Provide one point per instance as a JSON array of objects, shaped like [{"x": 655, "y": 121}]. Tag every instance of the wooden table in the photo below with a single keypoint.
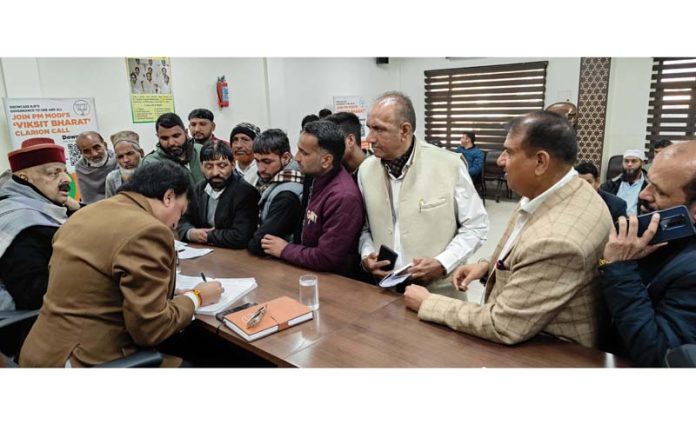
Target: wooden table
[{"x": 361, "y": 325}]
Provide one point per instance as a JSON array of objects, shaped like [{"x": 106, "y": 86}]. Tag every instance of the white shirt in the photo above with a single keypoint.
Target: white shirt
[
  {"x": 471, "y": 216},
  {"x": 528, "y": 207},
  {"x": 250, "y": 173}
]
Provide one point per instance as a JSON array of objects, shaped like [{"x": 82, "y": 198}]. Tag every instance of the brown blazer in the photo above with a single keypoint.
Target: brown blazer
[
  {"x": 549, "y": 282},
  {"x": 110, "y": 287}
]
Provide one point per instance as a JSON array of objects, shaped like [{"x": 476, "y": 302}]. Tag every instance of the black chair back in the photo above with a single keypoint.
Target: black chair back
[{"x": 614, "y": 167}]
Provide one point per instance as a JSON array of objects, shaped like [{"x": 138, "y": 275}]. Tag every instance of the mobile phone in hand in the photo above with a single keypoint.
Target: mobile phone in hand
[
  {"x": 386, "y": 253},
  {"x": 675, "y": 223},
  {"x": 221, "y": 315}
]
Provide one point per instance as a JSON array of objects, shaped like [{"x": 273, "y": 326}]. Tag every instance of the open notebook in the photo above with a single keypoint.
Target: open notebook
[{"x": 235, "y": 289}]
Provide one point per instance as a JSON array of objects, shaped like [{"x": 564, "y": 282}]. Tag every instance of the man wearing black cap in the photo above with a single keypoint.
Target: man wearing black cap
[
  {"x": 242, "y": 139},
  {"x": 33, "y": 204}
]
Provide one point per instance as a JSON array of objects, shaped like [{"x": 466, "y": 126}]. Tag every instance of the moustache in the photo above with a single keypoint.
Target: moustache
[
  {"x": 64, "y": 187},
  {"x": 216, "y": 182}
]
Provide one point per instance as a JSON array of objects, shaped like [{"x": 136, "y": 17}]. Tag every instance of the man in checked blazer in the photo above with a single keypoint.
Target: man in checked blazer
[{"x": 543, "y": 274}]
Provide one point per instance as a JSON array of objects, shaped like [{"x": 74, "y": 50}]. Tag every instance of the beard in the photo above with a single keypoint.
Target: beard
[
  {"x": 217, "y": 183},
  {"x": 98, "y": 163},
  {"x": 627, "y": 175},
  {"x": 127, "y": 173},
  {"x": 177, "y": 151}
]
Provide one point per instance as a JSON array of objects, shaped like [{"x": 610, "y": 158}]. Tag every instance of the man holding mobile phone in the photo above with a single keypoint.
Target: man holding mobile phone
[{"x": 650, "y": 290}]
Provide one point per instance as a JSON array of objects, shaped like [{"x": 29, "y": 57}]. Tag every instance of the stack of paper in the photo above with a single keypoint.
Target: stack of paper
[{"x": 235, "y": 289}]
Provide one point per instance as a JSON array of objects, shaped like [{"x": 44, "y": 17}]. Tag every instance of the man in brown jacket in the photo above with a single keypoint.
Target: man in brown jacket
[
  {"x": 112, "y": 277},
  {"x": 543, "y": 273}
]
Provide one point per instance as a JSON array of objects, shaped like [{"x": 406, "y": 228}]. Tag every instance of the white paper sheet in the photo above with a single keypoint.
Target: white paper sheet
[{"x": 235, "y": 289}]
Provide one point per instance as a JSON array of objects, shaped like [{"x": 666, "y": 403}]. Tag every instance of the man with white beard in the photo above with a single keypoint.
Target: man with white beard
[
  {"x": 128, "y": 155},
  {"x": 94, "y": 165}
]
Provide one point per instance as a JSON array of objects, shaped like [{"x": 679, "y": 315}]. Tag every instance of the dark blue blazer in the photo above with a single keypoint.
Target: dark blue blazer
[
  {"x": 616, "y": 205},
  {"x": 652, "y": 301}
]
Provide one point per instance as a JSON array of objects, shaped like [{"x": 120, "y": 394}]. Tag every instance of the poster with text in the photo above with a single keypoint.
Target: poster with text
[
  {"x": 60, "y": 119},
  {"x": 150, "y": 88},
  {"x": 356, "y": 105}
]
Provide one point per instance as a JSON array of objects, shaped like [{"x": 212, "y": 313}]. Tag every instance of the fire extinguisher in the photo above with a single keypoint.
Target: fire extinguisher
[{"x": 222, "y": 93}]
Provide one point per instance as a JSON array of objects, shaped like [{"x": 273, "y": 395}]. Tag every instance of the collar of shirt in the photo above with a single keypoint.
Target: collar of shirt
[
  {"x": 212, "y": 193},
  {"x": 396, "y": 166},
  {"x": 248, "y": 167},
  {"x": 530, "y": 206}
]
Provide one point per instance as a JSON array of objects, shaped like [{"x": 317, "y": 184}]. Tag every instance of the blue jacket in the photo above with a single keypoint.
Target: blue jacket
[
  {"x": 652, "y": 301},
  {"x": 474, "y": 157}
]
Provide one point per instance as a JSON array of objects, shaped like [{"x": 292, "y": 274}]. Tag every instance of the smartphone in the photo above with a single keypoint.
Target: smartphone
[
  {"x": 221, "y": 315},
  {"x": 675, "y": 223},
  {"x": 386, "y": 253}
]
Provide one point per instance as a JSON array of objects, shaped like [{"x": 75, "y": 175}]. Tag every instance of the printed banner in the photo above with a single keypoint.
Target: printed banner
[
  {"x": 150, "y": 88},
  {"x": 59, "y": 119},
  {"x": 356, "y": 105}
]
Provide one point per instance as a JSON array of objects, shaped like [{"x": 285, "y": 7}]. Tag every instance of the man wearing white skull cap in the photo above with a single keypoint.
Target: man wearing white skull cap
[{"x": 631, "y": 181}]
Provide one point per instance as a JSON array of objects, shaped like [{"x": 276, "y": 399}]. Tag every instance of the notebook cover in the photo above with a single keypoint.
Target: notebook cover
[{"x": 279, "y": 312}]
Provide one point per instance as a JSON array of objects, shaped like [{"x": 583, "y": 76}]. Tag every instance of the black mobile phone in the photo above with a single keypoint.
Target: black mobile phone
[
  {"x": 675, "y": 223},
  {"x": 221, "y": 315},
  {"x": 386, "y": 253}
]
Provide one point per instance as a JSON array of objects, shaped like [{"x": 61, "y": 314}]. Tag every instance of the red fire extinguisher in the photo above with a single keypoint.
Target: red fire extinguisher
[{"x": 222, "y": 92}]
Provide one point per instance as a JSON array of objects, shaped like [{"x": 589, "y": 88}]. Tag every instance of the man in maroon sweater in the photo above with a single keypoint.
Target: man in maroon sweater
[{"x": 334, "y": 216}]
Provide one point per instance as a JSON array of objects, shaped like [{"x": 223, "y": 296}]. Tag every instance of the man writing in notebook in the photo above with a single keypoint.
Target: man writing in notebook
[
  {"x": 543, "y": 274},
  {"x": 110, "y": 291}
]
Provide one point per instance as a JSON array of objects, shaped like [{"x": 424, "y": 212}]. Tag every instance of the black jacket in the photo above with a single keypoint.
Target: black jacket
[
  {"x": 616, "y": 205},
  {"x": 612, "y": 186},
  {"x": 284, "y": 218},
  {"x": 24, "y": 266},
  {"x": 652, "y": 301},
  {"x": 236, "y": 216}
]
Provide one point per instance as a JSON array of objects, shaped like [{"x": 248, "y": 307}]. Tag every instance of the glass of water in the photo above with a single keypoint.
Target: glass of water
[{"x": 309, "y": 291}]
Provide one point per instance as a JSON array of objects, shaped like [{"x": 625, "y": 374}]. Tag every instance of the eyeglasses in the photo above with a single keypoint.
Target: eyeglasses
[{"x": 255, "y": 319}]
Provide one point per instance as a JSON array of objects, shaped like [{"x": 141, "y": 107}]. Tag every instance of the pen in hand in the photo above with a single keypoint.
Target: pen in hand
[{"x": 203, "y": 276}]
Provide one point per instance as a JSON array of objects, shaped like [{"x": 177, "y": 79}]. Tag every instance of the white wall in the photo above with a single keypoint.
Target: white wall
[
  {"x": 105, "y": 79},
  {"x": 627, "y": 106},
  {"x": 562, "y": 78},
  {"x": 302, "y": 86},
  {"x": 278, "y": 92}
]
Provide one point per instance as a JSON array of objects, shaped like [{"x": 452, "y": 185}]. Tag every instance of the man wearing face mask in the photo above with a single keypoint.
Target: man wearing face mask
[
  {"x": 174, "y": 146},
  {"x": 242, "y": 140},
  {"x": 94, "y": 165},
  {"x": 129, "y": 155},
  {"x": 280, "y": 184},
  {"x": 223, "y": 210},
  {"x": 34, "y": 203}
]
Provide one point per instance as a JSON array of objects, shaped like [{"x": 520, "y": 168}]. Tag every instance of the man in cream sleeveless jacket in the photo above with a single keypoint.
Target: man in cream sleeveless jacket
[
  {"x": 420, "y": 200},
  {"x": 543, "y": 273}
]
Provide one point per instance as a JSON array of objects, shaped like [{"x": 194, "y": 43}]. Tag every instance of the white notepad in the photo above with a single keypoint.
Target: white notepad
[{"x": 235, "y": 289}]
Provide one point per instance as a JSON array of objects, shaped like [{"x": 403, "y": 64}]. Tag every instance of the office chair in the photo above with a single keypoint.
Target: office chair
[
  {"x": 492, "y": 172},
  {"x": 23, "y": 319},
  {"x": 614, "y": 167},
  {"x": 682, "y": 356}
]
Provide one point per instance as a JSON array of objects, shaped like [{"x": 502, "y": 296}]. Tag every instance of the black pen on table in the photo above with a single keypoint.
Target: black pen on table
[{"x": 203, "y": 276}]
